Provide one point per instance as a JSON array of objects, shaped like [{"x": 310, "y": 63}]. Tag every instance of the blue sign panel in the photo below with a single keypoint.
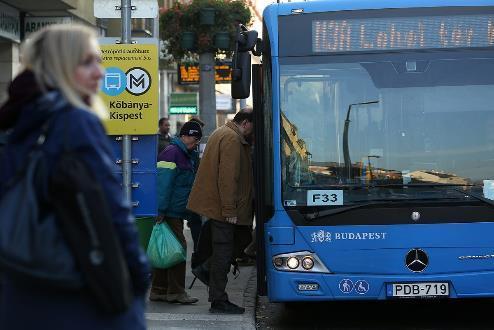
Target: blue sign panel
[{"x": 143, "y": 182}]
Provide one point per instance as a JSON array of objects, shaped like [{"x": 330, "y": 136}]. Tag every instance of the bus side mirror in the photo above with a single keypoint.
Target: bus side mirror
[
  {"x": 241, "y": 76},
  {"x": 246, "y": 40},
  {"x": 241, "y": 70}
]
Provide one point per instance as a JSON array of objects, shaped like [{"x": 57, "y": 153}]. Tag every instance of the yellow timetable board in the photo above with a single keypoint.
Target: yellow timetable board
[{"x": 130, "y": 88}]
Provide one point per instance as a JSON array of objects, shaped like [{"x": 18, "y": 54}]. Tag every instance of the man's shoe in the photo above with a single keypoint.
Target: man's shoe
[
  {"x": 181, "y": 298},
  {"x": 157, "y": 296},
  {"x": 225, "y": 307},
  {"x": 245, "y": 261}
]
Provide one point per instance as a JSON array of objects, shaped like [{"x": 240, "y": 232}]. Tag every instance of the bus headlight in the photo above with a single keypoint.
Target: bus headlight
[
  {"x": 307, "y": 263},
  {"x": 292, "y": 263},
  {"x": 303, "y": 261}
]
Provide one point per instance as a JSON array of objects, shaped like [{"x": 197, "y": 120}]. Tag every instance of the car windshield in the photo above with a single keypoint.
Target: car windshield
[{"x": 367, "y": 127}]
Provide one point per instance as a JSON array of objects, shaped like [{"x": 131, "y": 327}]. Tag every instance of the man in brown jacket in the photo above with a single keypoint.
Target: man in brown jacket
[{"x": 222, "y": 192}]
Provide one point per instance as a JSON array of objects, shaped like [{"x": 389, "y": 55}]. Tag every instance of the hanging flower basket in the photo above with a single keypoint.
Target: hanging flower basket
[
  {"x": 222, "y": 40},
  {"x": 212, "y": 22},
  {"x": 187, "y": 40},
  {"x": 206, "y": 16}
]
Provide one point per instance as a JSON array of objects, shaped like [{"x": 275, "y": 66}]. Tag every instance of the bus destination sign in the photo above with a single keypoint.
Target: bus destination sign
[{"x": 394, "y": 33}]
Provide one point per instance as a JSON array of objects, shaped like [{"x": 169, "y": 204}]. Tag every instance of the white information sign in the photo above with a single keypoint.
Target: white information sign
[
  {"x": 324, "y": 197},
  {"x": 223, "y": 102},
  {"x": 111, "y": 8}
]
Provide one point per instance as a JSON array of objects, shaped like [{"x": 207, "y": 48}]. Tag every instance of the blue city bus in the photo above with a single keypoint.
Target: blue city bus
[{"x": 374, "y": 148}]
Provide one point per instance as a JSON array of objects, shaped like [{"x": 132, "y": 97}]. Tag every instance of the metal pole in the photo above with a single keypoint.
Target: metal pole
[
  {"x": 156, "y": 28},
  {"x": 127, "y": 139},
  {"x": 207, "y": 96},
  {"x": 126, "y": 16}
]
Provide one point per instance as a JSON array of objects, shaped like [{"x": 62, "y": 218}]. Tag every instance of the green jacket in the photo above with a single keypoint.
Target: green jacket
[{"x": 176, "y": 173}]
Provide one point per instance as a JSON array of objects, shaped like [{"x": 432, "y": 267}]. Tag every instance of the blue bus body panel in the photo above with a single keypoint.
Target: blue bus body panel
[
  {"x": 382, "y": 249},
  {"x": 376, "y": 255},
  {"x": 285, "y": 287}
]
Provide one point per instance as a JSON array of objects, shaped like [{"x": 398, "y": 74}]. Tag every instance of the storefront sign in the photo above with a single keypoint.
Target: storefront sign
[
  {"x": 33, "y": 24},
  {"x": 9, "y": 23},
  {"x": 183, "y": 103}
]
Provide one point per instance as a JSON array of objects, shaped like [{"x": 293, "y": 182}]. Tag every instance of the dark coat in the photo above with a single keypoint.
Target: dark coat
[
  {"x": 224, "y": 182},
  {"x": 24, "y": 306}
]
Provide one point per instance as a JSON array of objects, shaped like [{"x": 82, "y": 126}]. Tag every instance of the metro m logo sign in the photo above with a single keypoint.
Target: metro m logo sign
[{"x": 138, "y": 81}]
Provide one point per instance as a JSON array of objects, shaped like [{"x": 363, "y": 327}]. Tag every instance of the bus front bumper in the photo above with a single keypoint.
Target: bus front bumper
[{"x": 296, "y": 286}]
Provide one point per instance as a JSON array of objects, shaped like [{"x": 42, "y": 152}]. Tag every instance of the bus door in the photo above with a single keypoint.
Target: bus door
[{"x": 261, "y": 214}]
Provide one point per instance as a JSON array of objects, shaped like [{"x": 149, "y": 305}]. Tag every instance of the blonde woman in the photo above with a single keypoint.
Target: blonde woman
[{"x": 60, "y": 80}]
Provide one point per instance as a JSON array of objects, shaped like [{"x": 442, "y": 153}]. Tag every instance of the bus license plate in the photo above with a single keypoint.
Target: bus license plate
[{"x": 411, "y": 290}]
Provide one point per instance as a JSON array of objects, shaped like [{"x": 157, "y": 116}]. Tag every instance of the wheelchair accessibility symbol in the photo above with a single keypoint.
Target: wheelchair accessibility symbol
[
  {"x": 361, "y": 287},
  {"x": 346, "y": 285}
]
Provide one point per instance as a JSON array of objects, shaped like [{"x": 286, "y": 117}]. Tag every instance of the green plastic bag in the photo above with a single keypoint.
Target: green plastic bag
[{"x": 164, "y": 249}]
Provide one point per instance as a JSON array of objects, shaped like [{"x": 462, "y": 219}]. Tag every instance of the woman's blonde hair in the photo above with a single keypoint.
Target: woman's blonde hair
[{"x": 53, "y": 54}]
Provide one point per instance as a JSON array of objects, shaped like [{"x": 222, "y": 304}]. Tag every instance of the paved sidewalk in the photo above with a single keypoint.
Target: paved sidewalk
[{"x": 241, "y": 291}]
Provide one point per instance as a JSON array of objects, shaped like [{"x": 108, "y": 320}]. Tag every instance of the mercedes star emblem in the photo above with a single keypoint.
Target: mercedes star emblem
[{"x": 416, "y": 260}]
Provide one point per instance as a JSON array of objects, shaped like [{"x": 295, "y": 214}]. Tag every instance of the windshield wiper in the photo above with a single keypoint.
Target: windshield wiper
[
  {"x": 331, "y": 186},
  {"x": 324, "y": 213},
  {"x": 383, "y": 185},
  {"x": 388, "y": 201},
  {"x": 330, "y": 212},
  {"x": 425, "y": 184}
]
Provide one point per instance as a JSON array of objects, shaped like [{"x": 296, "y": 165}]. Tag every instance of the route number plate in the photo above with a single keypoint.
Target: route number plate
[{"x": 324, "y": 197}]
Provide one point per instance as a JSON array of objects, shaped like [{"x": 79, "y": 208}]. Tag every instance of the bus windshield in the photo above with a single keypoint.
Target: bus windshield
[{"x": 351, "y": 122}]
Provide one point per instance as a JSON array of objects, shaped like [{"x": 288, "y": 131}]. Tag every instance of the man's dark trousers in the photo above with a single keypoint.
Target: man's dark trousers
[
  {"x": 222, "y": 238},
  {"x": 194, "y": 222}
]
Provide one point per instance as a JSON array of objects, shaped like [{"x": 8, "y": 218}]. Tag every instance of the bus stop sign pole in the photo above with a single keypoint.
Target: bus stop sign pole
[{"x": 126, "y": 11}]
